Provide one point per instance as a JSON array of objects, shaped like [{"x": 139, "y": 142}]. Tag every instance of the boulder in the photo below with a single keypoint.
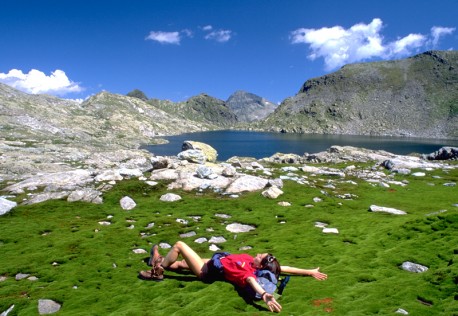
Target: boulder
[
  {"x": 164, "y": 174},
  {"x": 46, "y": 307},
  {"x": 6, "y": 205},
  {"x": 272, "y": 193},
  {"x": 209, "y": 152},
  {"x": 239, "y": 228},
  {"x": 170, "y": 197},
  {"x": 375, "y": 208},
  {"x": 204, "y": 172},
  {"x": 247, "y": 183},
  {"x": 413, "y": 267},
  {"x": 86, "y": 195},
  {"x": 192, "y": 155},
  {"x": 127, "y": 203},
  {"x": 445, "y": 153}
]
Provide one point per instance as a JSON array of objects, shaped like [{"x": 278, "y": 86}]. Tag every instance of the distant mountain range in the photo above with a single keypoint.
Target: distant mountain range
[{"x": 417, "y": 96}]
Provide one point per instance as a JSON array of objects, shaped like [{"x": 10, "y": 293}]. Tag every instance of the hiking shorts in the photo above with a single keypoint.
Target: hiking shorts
[{"x": 213, "y": 269}]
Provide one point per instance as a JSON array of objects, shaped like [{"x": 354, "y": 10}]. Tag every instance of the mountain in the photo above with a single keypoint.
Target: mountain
[
  {"x": 417, "y": 96},
  {"x": 249, "y": 107}
]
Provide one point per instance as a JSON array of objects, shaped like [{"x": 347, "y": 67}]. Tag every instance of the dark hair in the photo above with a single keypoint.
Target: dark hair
[{"x": 271, "y": 263}]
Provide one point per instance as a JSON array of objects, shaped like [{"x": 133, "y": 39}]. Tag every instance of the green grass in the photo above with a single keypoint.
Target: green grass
[{"x": 97, "y": 270}]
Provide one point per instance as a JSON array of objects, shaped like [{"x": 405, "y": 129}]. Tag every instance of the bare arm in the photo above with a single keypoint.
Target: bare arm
[
  {"x": 269, "y": 299},
  {"x": 306, "y": 272}
]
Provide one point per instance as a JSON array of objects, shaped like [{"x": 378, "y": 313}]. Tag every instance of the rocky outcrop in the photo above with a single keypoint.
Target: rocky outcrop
[{"x": 249, "y": 107}]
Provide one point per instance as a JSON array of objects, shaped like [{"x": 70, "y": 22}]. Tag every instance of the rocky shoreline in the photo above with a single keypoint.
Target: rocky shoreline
[{"x": 80, "y": 175}]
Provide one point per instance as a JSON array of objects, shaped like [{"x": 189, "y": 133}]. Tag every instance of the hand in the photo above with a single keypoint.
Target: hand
[
  {"x": 273, "y": 305},
  {"x": 318, "y": 275}
]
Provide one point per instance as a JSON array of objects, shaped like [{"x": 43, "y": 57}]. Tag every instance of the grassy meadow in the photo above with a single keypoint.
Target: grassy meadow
[{"x": 91, "y": 269}]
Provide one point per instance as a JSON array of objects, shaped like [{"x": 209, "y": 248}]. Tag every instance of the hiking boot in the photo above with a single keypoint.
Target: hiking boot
[{"x": 151, "y": 275}]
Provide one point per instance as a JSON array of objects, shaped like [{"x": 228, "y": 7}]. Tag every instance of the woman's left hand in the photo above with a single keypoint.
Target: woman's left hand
[
  {"x": 318, "y": 275},
  {"x": 272, "y": 303}
]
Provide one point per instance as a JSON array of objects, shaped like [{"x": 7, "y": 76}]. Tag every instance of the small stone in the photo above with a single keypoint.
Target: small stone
[
  {"x": 330, "y": 230},
  {"x": 21, "y": 276},
  {"x": 320, "y": 224},
  {"x": 217, "y": 240},
  {"x": 105, "y": 223},
  {"x": 413, "y": 267},
  {"x": 375, "y": 208},
  {"x": 32, "y": 278},
  {"x": 450, "y": 184},
  {"x": 225, "y": 216},
  {"x": 402, "y": 311},
  {"x": 127, "y": 203},
  {"x": 200, "y": 240},
  {"x": 284, "y": 203},
  {"x": 239, "y": 228},
  {"x": 182, "y": 221},
  {"x": 187, "y": 235},
  {"x": 317, "y": 199},
  {"x": 213, "y": 248},
  {"x": 170, "y": 197},
  {"x": 418, "y": 174},
  {"x": 139, "y": 251}
]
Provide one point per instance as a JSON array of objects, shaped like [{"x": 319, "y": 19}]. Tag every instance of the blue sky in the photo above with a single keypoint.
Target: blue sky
[{"x": 177, "y": 49}]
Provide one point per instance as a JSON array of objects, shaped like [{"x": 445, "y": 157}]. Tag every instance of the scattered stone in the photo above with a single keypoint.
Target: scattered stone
[
  {"x": 21, "y": 276},
  {"x": 108, "y": 175},
  {"x": 187, "y": 235},
  {"x": 149, "y": 226},
  {"x": 413, "y": 267},
  {"x": 55, "y": 264},
  {"x": 309, "y": 206},
  {"x": 182, "y": 221},
  {"x": 229, "y": 171},
  {"x": 164, "y": 245},
  {"x": 284, "y": 203},
  {"x": 256, "y": 165},
  {"x": 330, "y": 230},
  {"x": 105, "y": 223},
  {"x": 5, "y": 313},
  {"x": 170, "y": 197},
  {"x": 225, "y": 216},
  {"x": 275, "y": 183},
  {"x": 450, "y": 184},
  {"x": 272, "y": 192},
  {"x": 217, "y": 239},
  {"x": 375, "y": 208},
  {"x": 32, "y": 278},
  {"x": 139, "y": 251},
  {"x": 317, "y": 200},
  {"x": 151, "y": 183},
  {"x": 321, "y": 224},
  {"x": 239, "y": 228},
  {"x": 213, "y": 248},
  {"x": 127, "y": 203},
  {"x": 401, "y": 311},
  {"x": 3, "y": 278},
  {"x": 46, "y": 307},
  {"x": 131, "y": 227},
  {"x": 201, "y": 240},
  {"x": 86, "y": 195},
  {"x": 245, "y": 248},
  {"x": 164, "y": 174},
  {"x": 6, "y": 205},
  {"x": 418, "y": 174}
]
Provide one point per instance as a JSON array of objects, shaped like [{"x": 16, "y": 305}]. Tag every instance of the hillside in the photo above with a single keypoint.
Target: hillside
[{"x": 417, "y": 96}]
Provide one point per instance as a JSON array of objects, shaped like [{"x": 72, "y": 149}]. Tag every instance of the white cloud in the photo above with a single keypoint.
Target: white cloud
[
  {"x": 37, "y": 82},
  {"x": 339, "y": 46},
  {"x": 207, "y": 28},
  {"x": 165, "y": 37},
  {"x": 438, "y": 31},
  {"x": 219, "y": 35}
]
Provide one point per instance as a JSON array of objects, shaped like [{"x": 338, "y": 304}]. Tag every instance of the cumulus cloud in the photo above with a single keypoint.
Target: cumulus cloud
[
  {"x": 339, "y": 46},
  {"x": 37, "y": 82}
]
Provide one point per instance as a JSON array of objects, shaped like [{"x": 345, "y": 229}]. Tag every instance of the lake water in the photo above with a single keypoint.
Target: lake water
[{"x": 231, "y": 143}]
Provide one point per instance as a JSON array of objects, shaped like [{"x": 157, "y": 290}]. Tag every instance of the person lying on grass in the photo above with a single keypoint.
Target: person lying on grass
[{"x": 238, "y": 269}]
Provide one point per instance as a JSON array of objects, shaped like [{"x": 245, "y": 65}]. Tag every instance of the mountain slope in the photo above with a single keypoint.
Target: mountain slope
[
  {"x": 249, "y": 107},
  {"x": 417, "y": 96}
]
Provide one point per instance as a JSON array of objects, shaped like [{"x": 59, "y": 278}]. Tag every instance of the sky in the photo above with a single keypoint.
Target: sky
[{"x": 176, "y": 49}]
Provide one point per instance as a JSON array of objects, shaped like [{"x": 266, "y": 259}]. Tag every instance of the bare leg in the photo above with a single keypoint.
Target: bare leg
[{"x": 192, "y": 260}]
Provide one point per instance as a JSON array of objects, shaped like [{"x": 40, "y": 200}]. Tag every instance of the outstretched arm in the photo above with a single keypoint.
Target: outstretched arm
[
  {"x": 269, "y": 299},
  {"x": 306, "y": 272}
]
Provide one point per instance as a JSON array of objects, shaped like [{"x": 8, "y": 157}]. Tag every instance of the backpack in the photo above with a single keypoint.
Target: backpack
[{"x": 268, "y": 282}]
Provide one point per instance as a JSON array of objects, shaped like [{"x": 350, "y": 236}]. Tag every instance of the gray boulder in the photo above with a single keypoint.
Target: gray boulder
[
  {"x": 46, "y": 307},
  {"x": 413, "y": 267},
  {"x": 272, "y": 192},
  {"x": 192, "y": 155},
  {"x": 247, "y": 183},
  {"x": 170, "y": 197},
  {"x": 375, "y": 208},
  {"x": 204, "y": 172},
  {"x": 445, "y": 153},
  {"x": 86, "y": 195},
  {"x": 239, "y": 228},
  {"x": 127, "y": 203},
  {"x": 208, "y": 151},
  {"x": 6, "y": 205}
]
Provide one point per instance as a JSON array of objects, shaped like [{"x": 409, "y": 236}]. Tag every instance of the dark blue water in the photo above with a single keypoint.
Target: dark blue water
[{"x": 262, "y": 144}]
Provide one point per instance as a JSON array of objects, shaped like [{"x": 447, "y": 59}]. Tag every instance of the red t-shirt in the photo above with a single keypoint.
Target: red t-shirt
[{"x": 237, "y": 268}]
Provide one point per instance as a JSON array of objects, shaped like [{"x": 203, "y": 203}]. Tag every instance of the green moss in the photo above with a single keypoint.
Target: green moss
[{"x": 92, "y": 269}]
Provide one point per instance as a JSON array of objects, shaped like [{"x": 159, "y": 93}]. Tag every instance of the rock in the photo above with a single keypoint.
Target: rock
[
  {"x": 139, "y": 251},
  {"x": 203, "y": 172},
  {"x": 413, "y": 267},
  {"x": 317, "y": 200},
  {"x": 164, "y": 174},
  {"x": 285, "y": 158},
  {"x": 217, "y": 240},
  {"x": 401, "y": 311},
  {"x": 418, "y": 174},
  {"x": 21, "y": 276},
  {"x": 272, "y": 193},
  {"x": 209, "y": 152},
  {"x": 192, "y": 155},
  {"x": 239, "y": 228},
  {"x": 200, "y": 240},
  {"x": 284, "y": 203},
  {"x": 109, "y": 175},
  {"x": 213, "y": 248},
  {"x": 256, "y": 165},
  {"x": 46, "y": 307},
  {"x": 105, "y": 223},
  {"x": 151, "y": 183},
  {"x": 127, "y": 203},
  {"x": 276, "y": 182},
  {"x": 375, "y": 208},
  {"x": 229, "y": 171},
  {"x": 224, "y": 216},
  {"x": 128, "y": 172},
  {"x": 38, "y": 198},
  {"x": 160, "y": 162},
  {"x": 86, "y": 195},
  {"x": 187, "y": 235},
  {"x": 6, "y": 205},
  {"x": 170, "y": 197},
  {"x": 247, "y": 183},
  {"x": 330, "y": 230},
  {"x": 5, "y": 313},
  {"x": 445, "y": 153}
]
